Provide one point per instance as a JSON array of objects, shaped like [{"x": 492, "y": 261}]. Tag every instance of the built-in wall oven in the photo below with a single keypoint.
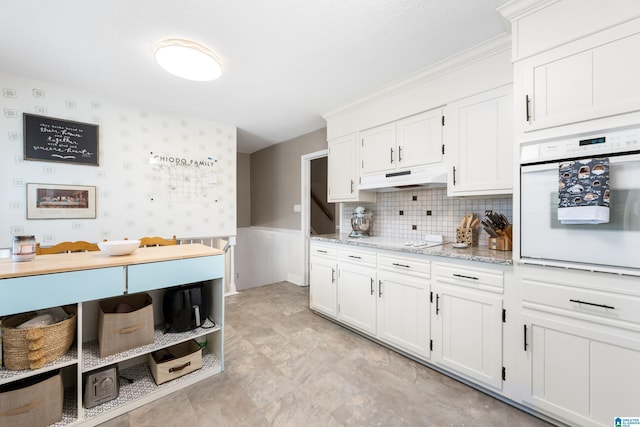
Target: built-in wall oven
[{"x": 554, "y": 172}]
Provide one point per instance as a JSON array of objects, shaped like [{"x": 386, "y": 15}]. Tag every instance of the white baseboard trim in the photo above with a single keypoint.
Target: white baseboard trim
[{"x": 296, "y": 279}]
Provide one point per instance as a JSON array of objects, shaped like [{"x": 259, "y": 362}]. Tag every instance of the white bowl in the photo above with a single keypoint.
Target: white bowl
[{"x": 119, "y": 247}]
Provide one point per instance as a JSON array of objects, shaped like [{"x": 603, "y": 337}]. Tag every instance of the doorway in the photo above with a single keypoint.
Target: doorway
[
  {"x": 306, "y": 183},
  {"x": 322, "y": 214}
]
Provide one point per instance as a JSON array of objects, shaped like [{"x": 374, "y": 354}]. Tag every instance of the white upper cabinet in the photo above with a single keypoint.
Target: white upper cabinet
[
  {"x": 342, "y": 172},
  {"x": 401, "y": 145},
  {"x": 479, "y": 144},
  {"x": 420, "y": 139},
  {"x": 573, "y": 83},
  {"x": 378, "y": 150},
  {"x": 575, "y": 67}
]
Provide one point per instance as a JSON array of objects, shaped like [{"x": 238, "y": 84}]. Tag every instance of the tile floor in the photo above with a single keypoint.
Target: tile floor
[{"x": 286, "y": 366}]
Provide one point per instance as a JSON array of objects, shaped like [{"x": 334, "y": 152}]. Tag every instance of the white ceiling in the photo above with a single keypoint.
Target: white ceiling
[{"x": 285, "y": 61}]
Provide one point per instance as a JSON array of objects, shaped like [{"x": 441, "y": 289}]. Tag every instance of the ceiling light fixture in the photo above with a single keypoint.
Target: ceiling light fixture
[{"x": 188, "y": 59}]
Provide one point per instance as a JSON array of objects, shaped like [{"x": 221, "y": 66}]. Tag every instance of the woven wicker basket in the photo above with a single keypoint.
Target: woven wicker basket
[{"x": 34, "y": 347}]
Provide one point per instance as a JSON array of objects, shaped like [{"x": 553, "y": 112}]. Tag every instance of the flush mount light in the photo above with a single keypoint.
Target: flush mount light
[{"x": 188, "y": 59}]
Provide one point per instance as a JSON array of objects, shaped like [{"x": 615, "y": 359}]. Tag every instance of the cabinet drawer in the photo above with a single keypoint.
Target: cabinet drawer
[
  {"x": 472, "y": 277},
  {"x": 157, "y": 275},
  {"x": 597, "y": 305},
  {"x": 355, "y": 256},
  {"x": 50, "y": 290},
  {"x": 405, "y": 265},
  {"x": 323, "y": 250}
]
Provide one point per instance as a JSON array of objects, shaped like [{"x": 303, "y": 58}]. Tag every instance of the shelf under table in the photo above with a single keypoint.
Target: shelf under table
[
  {"x": 143, "y": 383},
  {"x": 91, "y": 350}
]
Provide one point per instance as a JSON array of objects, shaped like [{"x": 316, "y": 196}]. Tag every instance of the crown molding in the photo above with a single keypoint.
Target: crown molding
[{"x": 476, "y": 53}]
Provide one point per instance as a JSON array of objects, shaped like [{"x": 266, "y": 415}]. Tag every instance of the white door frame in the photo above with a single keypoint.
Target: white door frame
[{"x": 305, "y": 209}]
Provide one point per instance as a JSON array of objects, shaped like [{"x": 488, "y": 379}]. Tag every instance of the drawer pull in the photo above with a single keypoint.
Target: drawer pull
[
  {"x": 321, "y": 251},
  {"x": 462, "y": 276},
  {"x": 592, "y": 303},
  {"x": 401, "y": 265},
  {"x": 355, "y": 257}
]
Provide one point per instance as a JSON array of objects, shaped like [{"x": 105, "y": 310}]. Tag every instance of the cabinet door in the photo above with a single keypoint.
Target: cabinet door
[
  {"x": 479, "y": 140},
  {"x": 341, "y": 169},
  {"x": 357, "y": 297},
  {"x": 403, "y": 313},
  {"x": 468, "y": 325},
  {"x": 579, "y": 82},
  {"x": 378, "y": 151},
  {"x": 583, "y": 374},
  {"x": 420, "y": 139},
  {"x": 322, "y": 286}
]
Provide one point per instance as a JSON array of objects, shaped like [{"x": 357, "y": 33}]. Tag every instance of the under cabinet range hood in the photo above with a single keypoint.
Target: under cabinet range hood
[{"x": 426, "y": 176}]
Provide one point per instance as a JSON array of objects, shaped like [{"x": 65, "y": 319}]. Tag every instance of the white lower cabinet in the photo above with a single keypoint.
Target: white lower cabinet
[
  {"x": 357, "y": 290},
  {"x": 403, "y": 304},
  {"x": 467, "y": 322},
  {"x": 581, "y": 346},
  {"x": 585, "y": 375},
  {"x": 323, "y": 275}
]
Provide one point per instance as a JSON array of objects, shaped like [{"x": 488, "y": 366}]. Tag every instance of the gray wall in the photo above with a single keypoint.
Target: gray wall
[
  {"x": 275, "y": 180},
  {"x": 243, "y": 195}
]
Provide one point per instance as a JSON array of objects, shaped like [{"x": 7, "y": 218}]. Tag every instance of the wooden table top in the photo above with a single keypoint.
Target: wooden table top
[{"x": 58, "y": 263}]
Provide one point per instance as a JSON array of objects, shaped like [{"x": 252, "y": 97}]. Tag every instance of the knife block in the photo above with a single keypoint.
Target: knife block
[
  {"x": 468, "y": 235},
  {"x": 500, "y": 243}
]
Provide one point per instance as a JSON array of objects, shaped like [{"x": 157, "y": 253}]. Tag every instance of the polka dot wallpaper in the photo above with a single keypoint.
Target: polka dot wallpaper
[{"x": 157, "y": 175}]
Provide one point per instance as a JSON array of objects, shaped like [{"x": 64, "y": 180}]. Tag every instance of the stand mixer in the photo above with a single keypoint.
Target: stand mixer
[{"x": 360, "y": 222}]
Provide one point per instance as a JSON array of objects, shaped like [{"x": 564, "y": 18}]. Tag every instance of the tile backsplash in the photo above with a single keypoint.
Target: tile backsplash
[{"x": 412, "y": 214}]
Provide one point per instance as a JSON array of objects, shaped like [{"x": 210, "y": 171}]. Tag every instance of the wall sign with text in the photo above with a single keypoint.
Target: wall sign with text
[{"x": 56, "y": 140}]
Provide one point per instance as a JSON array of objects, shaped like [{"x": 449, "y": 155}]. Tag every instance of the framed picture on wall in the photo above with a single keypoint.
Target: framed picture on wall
[
  {"x": 57, "y": 201},
  {"x": 56, "y": 140}
]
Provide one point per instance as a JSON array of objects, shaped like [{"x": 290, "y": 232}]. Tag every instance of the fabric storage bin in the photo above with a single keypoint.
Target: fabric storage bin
[
  {"x": 175, "y": 361},
  {"x": 32, "y": 348},
  {"x": 33, "y": 402},
  {"x": 125, "y": 322}
]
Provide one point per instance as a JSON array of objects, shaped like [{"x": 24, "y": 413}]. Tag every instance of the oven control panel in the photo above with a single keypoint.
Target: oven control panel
[{"x": 593, "y": 144}]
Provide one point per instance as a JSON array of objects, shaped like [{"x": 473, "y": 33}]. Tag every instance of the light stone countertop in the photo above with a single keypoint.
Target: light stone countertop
[{"x": 477, "y": 253}]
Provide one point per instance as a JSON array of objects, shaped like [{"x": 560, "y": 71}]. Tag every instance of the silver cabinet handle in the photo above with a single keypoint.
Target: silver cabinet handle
[
  {"x": 355, "y": 257},
  {"x": 391, "y": 155},
  {"x": 379, "y": 288},
  {"x": 333, "y": 276},
  {"x": 372, "y": 286},
  {"x": 399, "y": 154},
  {"x": 527, "y": 103},
  {"x": 351, "y": 186}
]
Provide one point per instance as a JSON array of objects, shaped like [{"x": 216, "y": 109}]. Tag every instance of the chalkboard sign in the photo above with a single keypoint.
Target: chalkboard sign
[{"x": 56, "y": 140}]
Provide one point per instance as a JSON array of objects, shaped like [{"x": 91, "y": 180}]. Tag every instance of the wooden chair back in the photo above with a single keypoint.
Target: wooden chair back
[
  {"x": 157, "y": 241},
  {"x": 79, "y": 246}
]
